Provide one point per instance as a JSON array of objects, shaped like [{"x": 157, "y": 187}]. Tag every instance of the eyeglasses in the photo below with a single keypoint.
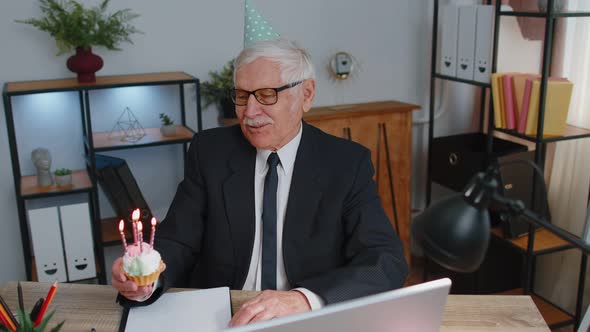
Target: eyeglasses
[{"x": 265, "y": 96}]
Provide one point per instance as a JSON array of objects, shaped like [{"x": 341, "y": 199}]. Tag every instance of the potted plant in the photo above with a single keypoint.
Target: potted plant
[
  {"x": 168, "y": 127},
  {"x": 63, "y": 177},
  {"x": 217, "y": 89},
  {"x": 75, "y": 27},
  {"x": 26, "y": 323}
]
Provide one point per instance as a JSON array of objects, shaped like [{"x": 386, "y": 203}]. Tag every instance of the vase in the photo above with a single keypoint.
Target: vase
[
  {"x": 169, "y": 130},
  {"x": 85, "y": 64},
  {"x": 63, "y": 180}
]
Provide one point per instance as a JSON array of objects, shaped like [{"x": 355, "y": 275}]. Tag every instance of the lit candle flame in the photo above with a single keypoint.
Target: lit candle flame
[
  {"x": 154, "y": 222},
  {"x": 123, "y": 240},
  {"x": 135, "y": 215}
]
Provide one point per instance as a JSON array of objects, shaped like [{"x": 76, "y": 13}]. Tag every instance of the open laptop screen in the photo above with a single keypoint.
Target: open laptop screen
[{"x": 415, "y": 308}]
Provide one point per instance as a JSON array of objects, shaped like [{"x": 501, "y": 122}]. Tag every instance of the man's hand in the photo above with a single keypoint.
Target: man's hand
[
  {"x": 128, "y": 288},
  {"x": 270, "y": 304}
]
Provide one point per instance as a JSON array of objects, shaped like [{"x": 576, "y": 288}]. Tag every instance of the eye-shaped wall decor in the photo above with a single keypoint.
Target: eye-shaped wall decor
[{"x": 341, "y": 65}]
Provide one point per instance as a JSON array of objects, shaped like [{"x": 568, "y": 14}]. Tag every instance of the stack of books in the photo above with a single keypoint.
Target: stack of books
[{"x": 516, "y": 100}]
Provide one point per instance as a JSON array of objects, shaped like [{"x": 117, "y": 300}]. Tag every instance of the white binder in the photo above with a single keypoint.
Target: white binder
[
  {"x": 47, "y": 245},
  {"x": 483, "y": 43},
  {"x": 448, "y": 52},
  {"x": 77, "y": 234},
  {"x": 466, "y": 42}
]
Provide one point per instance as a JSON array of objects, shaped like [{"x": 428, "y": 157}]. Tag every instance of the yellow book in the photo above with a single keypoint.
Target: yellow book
[
  {"x": 497, "y": 100},
  {"x": 557, "y": 103}
]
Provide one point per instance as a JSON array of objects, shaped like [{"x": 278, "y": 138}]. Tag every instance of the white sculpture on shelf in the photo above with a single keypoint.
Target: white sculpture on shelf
[
  {"x": 127, "y": 127},
  {"x": 42, "y": 161}
]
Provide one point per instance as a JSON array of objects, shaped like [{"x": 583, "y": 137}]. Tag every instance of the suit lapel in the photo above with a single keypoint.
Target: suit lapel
[
  {"x": 238, "y": 190},
  {"x": 304, "y": 194}
]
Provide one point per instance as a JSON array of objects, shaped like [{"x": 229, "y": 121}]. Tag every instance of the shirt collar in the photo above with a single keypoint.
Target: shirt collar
[{"x": 286, "y": 154}]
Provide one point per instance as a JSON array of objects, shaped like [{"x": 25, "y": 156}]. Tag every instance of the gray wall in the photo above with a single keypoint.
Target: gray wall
[{"x": 390, "y": 39}]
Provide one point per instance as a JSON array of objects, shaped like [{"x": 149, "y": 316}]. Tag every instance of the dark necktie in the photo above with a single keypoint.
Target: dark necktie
[{"x": 269, "y": 225}]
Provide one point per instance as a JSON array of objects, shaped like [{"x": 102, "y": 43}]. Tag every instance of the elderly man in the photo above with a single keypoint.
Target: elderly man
[{"x": 275, "y": 204}]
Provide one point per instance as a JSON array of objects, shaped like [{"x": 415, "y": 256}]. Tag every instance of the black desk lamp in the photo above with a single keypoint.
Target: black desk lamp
[{"x": 454, "y": 232}]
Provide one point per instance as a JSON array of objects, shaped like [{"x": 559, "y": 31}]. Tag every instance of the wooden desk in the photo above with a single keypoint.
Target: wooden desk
[
  {"x": 93, "y": 306},
  {"x": 385, "y": 128}
]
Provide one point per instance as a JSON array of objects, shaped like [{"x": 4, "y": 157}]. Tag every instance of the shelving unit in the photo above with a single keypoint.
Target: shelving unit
[
  {"x": 539, "y": 242},
  {"x": 85, "y": 180}
]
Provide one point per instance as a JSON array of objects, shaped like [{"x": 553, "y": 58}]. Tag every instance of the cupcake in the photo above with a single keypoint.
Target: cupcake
[{"x": 142, "y": 266}]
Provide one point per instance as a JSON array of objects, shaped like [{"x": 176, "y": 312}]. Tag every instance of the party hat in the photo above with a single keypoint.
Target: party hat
[{"x": 256, "y": 28}]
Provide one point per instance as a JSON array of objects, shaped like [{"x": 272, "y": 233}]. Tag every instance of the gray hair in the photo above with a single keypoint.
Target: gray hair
[{"x": 294, "y": 61}]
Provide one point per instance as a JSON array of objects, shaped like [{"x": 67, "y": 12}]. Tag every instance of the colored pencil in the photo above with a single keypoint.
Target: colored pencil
[
  {"x": 21, "y": 304},
  {"x": 10, "y": 319},
  {"x": 6, "y": 320},
  {"x": 46, "y": 303}
]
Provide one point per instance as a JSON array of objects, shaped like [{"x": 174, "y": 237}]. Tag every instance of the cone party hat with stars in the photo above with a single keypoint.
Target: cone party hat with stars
[{"x": 256, "y": 28}]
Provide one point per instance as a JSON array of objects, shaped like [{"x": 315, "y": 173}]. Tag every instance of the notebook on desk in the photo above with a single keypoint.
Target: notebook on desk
[
  {"x": 179, "y": 311},
  {"x": 414, "y": 308}
]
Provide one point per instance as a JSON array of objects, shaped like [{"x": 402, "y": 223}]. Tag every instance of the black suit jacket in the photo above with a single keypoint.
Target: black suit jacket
[{"x": 337, "y": 240}]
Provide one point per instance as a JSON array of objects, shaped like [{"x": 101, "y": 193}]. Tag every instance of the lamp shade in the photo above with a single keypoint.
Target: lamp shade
[{"x": 453, "y": 233}]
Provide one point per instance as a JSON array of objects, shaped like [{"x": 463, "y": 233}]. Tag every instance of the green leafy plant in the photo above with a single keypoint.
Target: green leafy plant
[
  {"x": 72, "y": 25},
  {"x": 26, "y": 324},
  {"x": 166, "y": 121},
  {"x": 63, "y": 171},
  {"x": 218, "y": 87}
]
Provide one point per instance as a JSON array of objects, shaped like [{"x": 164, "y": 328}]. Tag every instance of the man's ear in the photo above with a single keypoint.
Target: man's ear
[{"x": 308, "y": 94}]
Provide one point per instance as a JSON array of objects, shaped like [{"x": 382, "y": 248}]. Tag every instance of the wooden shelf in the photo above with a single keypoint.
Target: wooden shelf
[
  {"x": 545, "y": 241},
  {"x": 102, "y": 141},
  {"x": 15, "y": 88},
  {"x": 554, "y": 316},
  {"x": 571, "y": 132},
  {"x": 110, "y": 232},
  {"x": 80, "y": 182}
]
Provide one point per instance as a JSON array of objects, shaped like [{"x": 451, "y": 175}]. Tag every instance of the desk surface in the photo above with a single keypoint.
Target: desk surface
[{"x": 93, "y": 306}]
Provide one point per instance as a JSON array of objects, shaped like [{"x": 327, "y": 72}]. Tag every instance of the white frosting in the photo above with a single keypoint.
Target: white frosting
[{"x": 136, "y": 263}]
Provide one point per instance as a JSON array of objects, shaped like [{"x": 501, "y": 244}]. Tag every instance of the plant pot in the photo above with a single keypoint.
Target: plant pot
[
  {"x": 228, "y": 108},
  {"x": 63, "y": 180},
  {"x": 85, "y": 64},
  {"x": 169, "y": 130}
]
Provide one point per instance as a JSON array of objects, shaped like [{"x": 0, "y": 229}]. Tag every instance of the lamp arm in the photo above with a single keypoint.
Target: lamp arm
[{"x": 516, "y": 207}]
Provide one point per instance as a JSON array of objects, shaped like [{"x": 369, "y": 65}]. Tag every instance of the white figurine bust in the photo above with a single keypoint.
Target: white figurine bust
[{"x": 42, "y": 161}]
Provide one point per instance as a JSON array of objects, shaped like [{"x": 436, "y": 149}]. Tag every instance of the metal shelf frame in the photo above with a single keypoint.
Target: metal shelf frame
[
  {"x": 12, "y": 89},
  {"x": 550, "y": 18}
]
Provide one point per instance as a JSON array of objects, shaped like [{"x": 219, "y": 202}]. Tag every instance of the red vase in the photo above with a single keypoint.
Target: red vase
[{"x": 85, "y": 64}]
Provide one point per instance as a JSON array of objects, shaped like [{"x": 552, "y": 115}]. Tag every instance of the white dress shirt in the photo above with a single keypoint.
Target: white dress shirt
[{"x": 287, "y": 156}]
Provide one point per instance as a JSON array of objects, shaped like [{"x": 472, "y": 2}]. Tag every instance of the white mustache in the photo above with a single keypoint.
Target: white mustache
[{"x": 257, "y": 122}]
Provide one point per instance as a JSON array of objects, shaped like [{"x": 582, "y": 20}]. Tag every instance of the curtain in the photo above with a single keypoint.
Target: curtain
[{"x": 557, "y": 274}]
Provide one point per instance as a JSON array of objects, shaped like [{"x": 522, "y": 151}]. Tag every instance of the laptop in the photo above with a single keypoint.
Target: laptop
[{"x": 414, "y": 308}]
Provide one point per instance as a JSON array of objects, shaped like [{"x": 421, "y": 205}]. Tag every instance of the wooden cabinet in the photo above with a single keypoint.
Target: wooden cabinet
[{"x": 386, "y": 129}]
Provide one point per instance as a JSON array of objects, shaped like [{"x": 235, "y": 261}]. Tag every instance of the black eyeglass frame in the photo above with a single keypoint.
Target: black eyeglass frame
[{"x": 276, "y": 90}]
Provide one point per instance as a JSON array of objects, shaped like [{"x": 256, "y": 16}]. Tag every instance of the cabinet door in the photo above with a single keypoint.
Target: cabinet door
[
  {"x": 78, "y": 243},
  {"x": 47, "y": 244},
  {"x": 371, "y": 131}
]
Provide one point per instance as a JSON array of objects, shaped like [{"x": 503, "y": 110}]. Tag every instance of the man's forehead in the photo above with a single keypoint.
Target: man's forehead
[{"x": 260, "y": 73}]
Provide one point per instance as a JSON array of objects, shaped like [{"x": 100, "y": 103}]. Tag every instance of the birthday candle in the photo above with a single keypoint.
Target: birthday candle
[
  {"x": 135, "y": 218},
  {"x": 153, "y": 234},
  {"x": 121, "y": 227},
  {"x": 134, "y": 226},
  {"x": 140, "y": 233}
]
